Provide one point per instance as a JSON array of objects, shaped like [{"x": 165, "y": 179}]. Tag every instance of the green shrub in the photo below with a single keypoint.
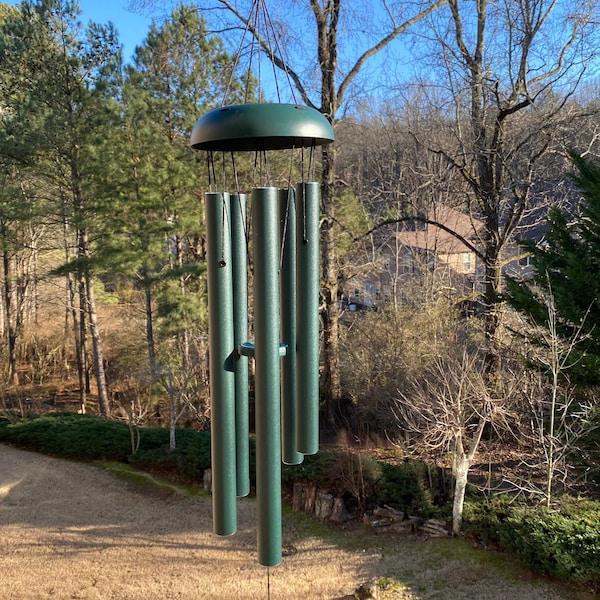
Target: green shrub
[
  {"x": 311, "y": 469},
  {"x": 403, "y": 487},
  {"x": 588, "y": 456},
  {"x": 69, "y": 435},
  {"x": 87, "y": 437},
  {"x": 364, "y": 481},
  {"x": 563, "y": 542},
  {"x": 188, "y": 461}
]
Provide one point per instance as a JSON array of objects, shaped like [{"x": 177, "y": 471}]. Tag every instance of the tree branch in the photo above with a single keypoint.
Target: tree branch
[{"x": 353, "y": 72}]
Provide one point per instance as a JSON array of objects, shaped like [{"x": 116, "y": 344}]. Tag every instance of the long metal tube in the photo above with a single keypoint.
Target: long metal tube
[
  {"x": 221, "y": 349},
  {"x": 240, "y": 321},
  {"x": 265, "y": 229},
  {"x": 308, "y": 195},
  {"x": 287, "y": 278}
]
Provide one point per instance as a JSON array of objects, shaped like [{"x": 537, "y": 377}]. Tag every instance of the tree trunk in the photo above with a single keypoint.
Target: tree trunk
[
  {"x": 150, "y": 329},
  {"x": 330, "y": 312},
  {"x": 327, "y": 23},
  {"x": 35, "y": 293},
  {"x": 13, "y": 376},
  {"x": 462, "y": 464},
  {"x": 84, "y": 374},
  {"x": 76, "y": 314},
  {"x": 103, "y": 404},
  {"x": 78, "y": 320},
  {"x": 172, "y": 427},
  {"x": 493, "y": 282}
]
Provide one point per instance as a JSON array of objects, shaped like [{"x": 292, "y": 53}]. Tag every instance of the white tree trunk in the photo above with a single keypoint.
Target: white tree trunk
[{"x": 460, "y": 487}]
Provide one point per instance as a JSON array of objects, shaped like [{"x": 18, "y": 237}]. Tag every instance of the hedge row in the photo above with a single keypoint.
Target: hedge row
[
  {"x": 563, "y": 541},
  {"x": 363, "y": 481},
  {"x": 86, "y": 437}
]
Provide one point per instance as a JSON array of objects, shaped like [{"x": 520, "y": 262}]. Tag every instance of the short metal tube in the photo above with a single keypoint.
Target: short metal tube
[
  {"x": 287, "y": 283},
  {"x": 265, "y": 235},
  {"x": 239, "y": 254},
  {"x": 221, "y": 349},
  {"x": 308, "y": 200}
]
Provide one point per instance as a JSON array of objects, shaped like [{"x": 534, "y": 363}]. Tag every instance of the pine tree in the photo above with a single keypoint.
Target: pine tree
[
  {"x": 567, "y": 269},
  {"x": 154, "y": 193},
  {"x": 58, "y": 79}
]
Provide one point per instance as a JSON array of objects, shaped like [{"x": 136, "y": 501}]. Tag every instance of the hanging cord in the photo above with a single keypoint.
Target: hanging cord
[
  {"x": 290, "y": 195},
  {"x": 237, "y": 189},
  {"x": 311, "y": 163},
  {"x": 235, "y": 173},
  {"x": 291, "y": 169},
  {"x": 288, "y": 207},
  {"x": 267, "y": 169},
  {"x": 268, "y": 583},
  {"x": 270, "y": 44},
  {"x": 223, "y": 170},
  {"x": 303, "y": 200},
  {"x": 238, "y": 54},
  {"x": 253, "y": 43},
  {"x": 212, "y": 176},
  {"x": 304, "y": 227},
  {"x": 272, "y": 35},
  {"x": 261, "y": 168},
  {"x": 224, "y": 228}
]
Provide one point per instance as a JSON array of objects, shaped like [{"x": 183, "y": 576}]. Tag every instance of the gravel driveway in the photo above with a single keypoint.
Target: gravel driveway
[{"x": 72, "y": 531}]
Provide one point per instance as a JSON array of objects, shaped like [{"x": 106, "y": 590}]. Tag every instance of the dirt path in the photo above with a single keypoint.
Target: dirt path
[{"x": 72, "y": 531}]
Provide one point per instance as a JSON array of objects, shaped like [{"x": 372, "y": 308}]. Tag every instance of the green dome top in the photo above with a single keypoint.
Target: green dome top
[{"x": 257, "y": 127}]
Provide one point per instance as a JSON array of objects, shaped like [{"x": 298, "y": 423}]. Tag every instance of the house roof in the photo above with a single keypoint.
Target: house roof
[{"x": 439, "y": 239}]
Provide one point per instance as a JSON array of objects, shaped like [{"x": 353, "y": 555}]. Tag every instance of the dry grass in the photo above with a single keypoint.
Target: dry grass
[{"x": 70, "y": 530}]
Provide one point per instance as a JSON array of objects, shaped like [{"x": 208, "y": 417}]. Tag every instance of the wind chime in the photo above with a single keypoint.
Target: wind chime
[{"x": 284, "y": 239}]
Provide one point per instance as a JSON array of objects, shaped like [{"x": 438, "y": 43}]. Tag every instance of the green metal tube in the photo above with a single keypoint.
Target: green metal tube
[
  {"x": 287, "y": 279},
  {"x": 308, "y": 200},
  {"x": 222, "y": 377},
  {"x": 240, "y": 321},
  {"x": 265, "y": 236}
]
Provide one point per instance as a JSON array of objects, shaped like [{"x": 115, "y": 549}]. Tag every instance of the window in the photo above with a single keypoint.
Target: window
[
  {"x": 466, "y": 262},
  {"x": 525, "y": 261}
]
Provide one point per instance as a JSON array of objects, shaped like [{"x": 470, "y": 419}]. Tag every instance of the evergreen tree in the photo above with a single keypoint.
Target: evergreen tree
[
  {"x": 58, "y": 78},
  {"x": 155, "y": 187},
  {"x": 566, "y": 268}
]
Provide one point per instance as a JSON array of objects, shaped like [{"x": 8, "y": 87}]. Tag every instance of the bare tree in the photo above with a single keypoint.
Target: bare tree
[
  {"x": 447, "y": 408},
  {"x": 506, "y": 75},
  {"x": 560, "y": 417}
]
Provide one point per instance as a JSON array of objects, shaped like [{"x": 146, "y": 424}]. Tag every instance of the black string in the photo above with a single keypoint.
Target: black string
[
  {"x": 285, "y": 225},
  {"x": 269, "y": 25},
  {"x": 223, "y": 170},
  {"x": 224, "y": 224},
  {"x": 256, "y": 169},
  {"x": 304, "y": 226},
  {"x": 211, "y": 169},
  {"x": 267, "y": 170},
  {"x": 237, "y": 189},
  {"x": 238, "y": 55},
  {"x": 288, "y": 207},
  {"x": 235, "y": 173},
  {"x": 208, "y": 169}
]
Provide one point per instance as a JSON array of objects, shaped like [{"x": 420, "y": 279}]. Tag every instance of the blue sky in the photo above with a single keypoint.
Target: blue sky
[{"x": 132, "y": 27}]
